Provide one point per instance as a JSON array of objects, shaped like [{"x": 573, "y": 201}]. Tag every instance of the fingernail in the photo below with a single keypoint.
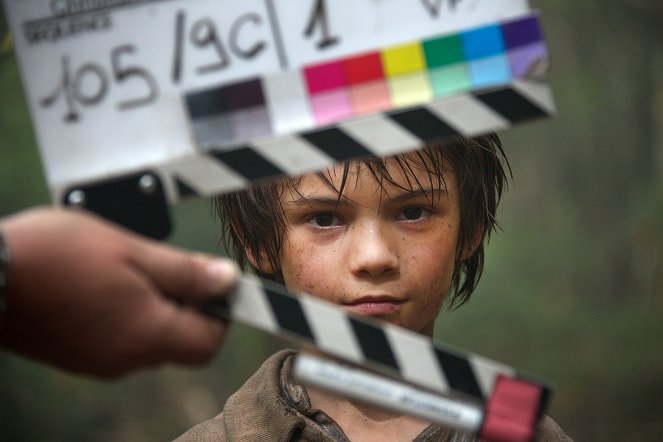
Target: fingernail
[{"x": 223, "y": 274}]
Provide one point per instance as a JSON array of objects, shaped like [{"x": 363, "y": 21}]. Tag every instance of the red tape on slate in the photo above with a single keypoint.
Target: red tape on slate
[{"x": 511, "y": 411}]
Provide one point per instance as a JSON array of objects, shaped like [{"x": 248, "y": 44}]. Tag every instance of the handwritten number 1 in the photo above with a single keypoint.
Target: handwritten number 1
[
  {"x": 63, "y": 88},
  {"x": 319, "y": 17}
]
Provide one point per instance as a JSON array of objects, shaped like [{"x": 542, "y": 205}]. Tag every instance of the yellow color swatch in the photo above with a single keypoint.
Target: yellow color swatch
[
  {"x": 410, "y": 90},
  {"x": 405, "y": 59}
]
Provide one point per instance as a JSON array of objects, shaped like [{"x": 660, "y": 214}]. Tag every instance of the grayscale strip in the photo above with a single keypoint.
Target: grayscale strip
[{"x": 224, "y": 170}]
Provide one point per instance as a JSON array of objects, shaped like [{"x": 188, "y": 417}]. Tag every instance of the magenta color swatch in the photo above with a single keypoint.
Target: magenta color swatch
[{"x": 325, "y": 77}]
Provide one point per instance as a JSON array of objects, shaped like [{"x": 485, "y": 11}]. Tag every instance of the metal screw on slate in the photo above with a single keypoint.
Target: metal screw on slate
[
  {"x": 76, "y": 198},
  {"x": 148, "y": 184}
]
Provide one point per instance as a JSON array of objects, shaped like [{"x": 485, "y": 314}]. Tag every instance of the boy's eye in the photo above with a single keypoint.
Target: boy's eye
[
  {"x": 413, "y": 214},
  {"x": 325, "y": 220}
]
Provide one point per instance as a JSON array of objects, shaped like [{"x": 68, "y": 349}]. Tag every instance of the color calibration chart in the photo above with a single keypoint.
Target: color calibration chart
[
  {"x": 116, "y": 86},
  {"x": 394, "y": 77}
]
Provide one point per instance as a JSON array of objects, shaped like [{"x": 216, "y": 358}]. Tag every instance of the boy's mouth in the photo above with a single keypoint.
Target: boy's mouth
[{"x": 374, "y": 305}]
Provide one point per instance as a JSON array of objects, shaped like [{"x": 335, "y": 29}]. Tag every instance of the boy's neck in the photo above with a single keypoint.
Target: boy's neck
[{"x": 361, "y": 422}]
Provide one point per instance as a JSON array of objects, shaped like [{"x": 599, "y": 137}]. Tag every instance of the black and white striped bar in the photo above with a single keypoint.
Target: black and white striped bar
[
  {"x": 228, "y": 169},
  {"x": 390, "y": 349}
]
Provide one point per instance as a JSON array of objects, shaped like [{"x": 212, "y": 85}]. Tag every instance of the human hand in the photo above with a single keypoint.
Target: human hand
[{"x": 92, "y": 298}]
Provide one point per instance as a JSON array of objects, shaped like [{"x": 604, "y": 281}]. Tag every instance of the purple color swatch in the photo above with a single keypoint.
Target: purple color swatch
[{"x": 522, "y": 32}]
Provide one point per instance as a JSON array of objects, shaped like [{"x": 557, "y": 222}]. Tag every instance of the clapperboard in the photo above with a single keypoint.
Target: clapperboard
[{"x": 139, "y": 104}]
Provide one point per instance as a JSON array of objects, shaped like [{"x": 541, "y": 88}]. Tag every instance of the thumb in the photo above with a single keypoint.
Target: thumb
[{"x": 184, "y": 275}]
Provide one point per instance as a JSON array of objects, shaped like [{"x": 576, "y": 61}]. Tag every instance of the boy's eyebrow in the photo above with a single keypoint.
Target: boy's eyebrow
[
  {"x": 404, "y": 196},
  {"x": 301, "y": 199},
  {"x": 428, "y": 193}
]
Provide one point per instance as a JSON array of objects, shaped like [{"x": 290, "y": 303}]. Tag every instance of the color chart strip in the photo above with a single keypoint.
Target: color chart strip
[{"x": 392, "y": 78}]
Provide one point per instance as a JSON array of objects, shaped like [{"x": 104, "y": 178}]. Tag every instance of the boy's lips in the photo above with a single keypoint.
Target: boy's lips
[{"x": 374, "y": 305}]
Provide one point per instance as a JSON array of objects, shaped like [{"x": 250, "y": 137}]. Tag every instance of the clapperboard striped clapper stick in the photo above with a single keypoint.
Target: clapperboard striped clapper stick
[
  {"x": 475, "y": 113},
  {"x": 485, "y": 397}
]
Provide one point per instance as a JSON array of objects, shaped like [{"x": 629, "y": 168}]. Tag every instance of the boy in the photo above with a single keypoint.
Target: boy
[{"x": 395, "y": 239}]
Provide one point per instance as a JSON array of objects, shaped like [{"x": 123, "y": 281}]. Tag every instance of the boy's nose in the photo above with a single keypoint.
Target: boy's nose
[{"x": 372, "y": 251}]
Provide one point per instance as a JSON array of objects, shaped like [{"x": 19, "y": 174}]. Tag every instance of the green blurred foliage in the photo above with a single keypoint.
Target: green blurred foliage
[{"x": 573, "y": 288}]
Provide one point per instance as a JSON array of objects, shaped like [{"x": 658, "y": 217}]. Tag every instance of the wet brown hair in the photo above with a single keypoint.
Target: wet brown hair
[{"x": 253, "y": 221}]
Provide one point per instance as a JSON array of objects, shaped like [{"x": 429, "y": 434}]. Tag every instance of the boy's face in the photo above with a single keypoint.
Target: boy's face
[{"x": 385, "y": 252}]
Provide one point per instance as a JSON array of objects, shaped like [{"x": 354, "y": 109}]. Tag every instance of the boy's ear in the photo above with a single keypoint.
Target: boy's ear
[
  {"x": 265, "y": 266},
  {"x": 470, "y": 248}
]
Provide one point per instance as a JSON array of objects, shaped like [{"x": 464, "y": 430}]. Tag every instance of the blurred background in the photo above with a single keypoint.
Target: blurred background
[{"x": 573, "y": 287}]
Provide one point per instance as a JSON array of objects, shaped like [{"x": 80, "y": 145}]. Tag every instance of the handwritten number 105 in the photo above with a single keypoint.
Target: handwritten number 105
[{"x": 88, "y": 85}]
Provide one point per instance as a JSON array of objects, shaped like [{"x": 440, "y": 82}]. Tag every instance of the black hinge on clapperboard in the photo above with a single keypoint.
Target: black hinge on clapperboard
[{"x": 136, "y": 201}]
